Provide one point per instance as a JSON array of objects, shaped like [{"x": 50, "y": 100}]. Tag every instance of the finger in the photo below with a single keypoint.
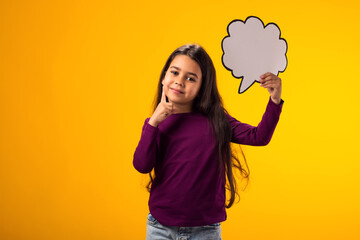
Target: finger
[
  {"x": 169, "y": 107},
  {"x": 163, "y": 97},
  {"x": 266, "y": 81},
  {"x": 266, "y": 75},
  {"x": 270, "y": 85},
  {"x": 168, "y": 110},
  {"x": 270, "y": 81},
  {"x": 272, "y": 77}
]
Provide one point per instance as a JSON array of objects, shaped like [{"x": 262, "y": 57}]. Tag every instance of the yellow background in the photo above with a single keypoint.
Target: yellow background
[{"x": 77, "y": 80}]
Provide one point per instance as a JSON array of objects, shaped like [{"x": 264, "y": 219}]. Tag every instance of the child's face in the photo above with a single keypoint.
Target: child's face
[{"x": 182, "y": 81}]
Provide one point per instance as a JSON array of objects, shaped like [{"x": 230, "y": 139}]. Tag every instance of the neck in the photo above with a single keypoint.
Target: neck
[{"x": 182, "y": 108}]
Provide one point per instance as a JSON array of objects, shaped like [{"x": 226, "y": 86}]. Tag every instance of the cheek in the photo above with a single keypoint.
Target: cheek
[
  {"x": 165, "y": 84},
  {"x": 166, "y": 81},
  {"x": 196, "y": 89}
]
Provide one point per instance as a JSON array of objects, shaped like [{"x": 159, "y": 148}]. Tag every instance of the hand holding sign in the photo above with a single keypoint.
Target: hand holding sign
[{"x": 252, "y": 49}]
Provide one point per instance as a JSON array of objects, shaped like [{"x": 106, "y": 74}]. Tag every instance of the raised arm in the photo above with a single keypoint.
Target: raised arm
[{"x": 246, "y": 134}]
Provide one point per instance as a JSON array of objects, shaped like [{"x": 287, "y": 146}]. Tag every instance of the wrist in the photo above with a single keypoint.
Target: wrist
[
  {"x": 276, "y": 100},
  {"x": 152, "y": 122}
]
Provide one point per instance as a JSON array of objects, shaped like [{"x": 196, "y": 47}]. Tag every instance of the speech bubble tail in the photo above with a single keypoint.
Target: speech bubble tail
[{"x": 245, "y": 84}]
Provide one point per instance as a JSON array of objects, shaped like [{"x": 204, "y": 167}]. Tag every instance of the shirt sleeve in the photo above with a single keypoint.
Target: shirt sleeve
[
  {"x": 146, "y": 151},
  {"x": 246, "y": 134}
]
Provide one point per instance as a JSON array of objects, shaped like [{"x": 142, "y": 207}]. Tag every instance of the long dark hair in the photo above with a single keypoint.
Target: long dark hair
[{"x": 209, "y": 103}]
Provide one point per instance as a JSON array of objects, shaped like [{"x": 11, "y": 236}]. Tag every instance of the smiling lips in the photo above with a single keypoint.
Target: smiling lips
[{"x": 176, "y": 91}]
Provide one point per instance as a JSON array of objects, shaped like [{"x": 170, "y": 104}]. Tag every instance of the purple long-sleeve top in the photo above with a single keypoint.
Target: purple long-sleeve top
[{"x": 188, "y": 189}]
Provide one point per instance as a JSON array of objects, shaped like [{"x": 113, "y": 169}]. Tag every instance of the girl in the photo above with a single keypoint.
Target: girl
[{"x": 187, "y": 143}]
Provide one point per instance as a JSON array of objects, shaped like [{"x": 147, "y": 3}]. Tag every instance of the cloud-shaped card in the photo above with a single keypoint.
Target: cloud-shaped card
[{"x": 252, "y": 49}]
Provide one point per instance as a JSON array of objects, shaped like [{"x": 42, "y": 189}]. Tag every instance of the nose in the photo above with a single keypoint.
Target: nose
[{"x": 179, "y": 81}]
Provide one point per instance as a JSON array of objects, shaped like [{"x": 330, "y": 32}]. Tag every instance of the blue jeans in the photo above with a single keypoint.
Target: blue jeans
[{"x": 157, "y": 231}]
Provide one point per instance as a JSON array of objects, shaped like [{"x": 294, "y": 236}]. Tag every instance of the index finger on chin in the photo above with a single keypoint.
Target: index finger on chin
[{"x": 163, "y": 98}]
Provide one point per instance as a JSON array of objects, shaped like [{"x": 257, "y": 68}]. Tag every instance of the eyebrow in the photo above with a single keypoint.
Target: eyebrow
[{"x": 190, "y": 73}]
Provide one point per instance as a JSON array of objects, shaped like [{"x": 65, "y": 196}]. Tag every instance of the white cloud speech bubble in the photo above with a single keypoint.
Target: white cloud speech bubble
[{"x": 252, "y": 49}]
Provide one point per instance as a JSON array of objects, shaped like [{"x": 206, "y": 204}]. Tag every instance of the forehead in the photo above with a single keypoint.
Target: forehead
[{"x": 186, "y": 64}]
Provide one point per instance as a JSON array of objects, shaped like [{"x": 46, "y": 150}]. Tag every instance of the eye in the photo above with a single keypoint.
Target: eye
[
  {"x": 191, "y": 79},
  {"x": 174, "y": 73}
]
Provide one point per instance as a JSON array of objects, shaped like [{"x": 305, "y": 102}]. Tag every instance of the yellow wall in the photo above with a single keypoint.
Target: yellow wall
[{"x": 77, "y": 81}]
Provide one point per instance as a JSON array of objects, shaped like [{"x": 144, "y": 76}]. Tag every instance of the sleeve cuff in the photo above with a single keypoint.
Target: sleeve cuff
[
  {"x": 279, "y": 105},
  {"x": 149, "y": 128},
  {"x": 275, "y": 107}
]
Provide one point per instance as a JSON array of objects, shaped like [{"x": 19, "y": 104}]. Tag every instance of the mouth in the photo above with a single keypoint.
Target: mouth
[{"x": 176, "y": 91}]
